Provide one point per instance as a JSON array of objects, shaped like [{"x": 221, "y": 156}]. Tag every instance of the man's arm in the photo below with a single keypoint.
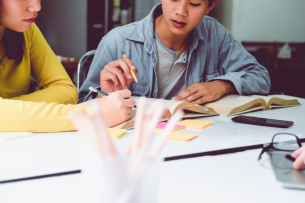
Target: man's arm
[
  {"x": 239, "y": 73},
  {"x": 237, "y": 65}
]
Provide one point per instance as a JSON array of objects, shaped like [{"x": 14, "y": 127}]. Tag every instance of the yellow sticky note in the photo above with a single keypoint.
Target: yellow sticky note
[
  {"x": 196, "y": 124},
  {"x": 14, "y": 135},
  {"x": 180, "y": 137},
  {"x": 116, "y": 133}
]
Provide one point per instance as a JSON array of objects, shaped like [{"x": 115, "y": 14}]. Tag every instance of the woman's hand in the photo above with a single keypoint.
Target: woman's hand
[
  {"x": 116, "y": 107},
  {"x": 299, "y": 155},
  {"x": 116, "y": 75}
]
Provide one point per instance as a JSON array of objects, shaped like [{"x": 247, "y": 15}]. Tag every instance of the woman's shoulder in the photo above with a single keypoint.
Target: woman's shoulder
[{"x": 31, "y": 33}]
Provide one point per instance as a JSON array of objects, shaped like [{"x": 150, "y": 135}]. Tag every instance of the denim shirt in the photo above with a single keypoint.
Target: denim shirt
[{"x": 213, "y": 54}]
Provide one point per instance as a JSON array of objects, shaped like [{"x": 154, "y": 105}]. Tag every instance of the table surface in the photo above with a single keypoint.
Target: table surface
[
  {"x": 59, "y": 152},
  {"x": 225, "y": 178},
  {"x": 235, "y": 178},
  {"x": 226, "y": 134}
]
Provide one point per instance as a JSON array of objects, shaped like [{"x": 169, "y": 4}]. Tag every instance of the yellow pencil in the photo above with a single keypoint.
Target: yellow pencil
[{"x": 132, "y": 73}]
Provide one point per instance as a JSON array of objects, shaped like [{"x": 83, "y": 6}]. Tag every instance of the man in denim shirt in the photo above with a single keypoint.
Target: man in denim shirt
[{"x": 176, "y": 51}]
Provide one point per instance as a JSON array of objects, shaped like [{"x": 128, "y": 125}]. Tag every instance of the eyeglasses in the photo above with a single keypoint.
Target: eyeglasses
[{"x": 282, "y": 145}]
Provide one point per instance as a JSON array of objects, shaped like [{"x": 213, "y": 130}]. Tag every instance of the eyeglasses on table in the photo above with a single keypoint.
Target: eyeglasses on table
[{"x": 280, "y": 149}]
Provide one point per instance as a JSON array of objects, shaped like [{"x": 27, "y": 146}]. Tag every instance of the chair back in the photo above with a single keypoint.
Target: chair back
[{"x": 83, "y": 67}]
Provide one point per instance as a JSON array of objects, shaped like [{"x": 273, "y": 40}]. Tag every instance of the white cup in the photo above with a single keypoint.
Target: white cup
[{"x": 106, "y": 179}]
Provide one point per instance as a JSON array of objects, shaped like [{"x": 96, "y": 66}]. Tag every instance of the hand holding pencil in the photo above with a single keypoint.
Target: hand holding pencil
[
  {"x": 119, "y": 106},
  {"x": 118, "y": 75}
]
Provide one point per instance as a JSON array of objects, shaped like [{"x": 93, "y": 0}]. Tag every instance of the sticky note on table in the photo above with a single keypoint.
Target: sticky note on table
[
  {"x": 116, "y": 133},
  {"x": 196, "y": 123},
  {"x": 161, "y": 126},
  {"x": 180, "y": 137},
  {"x": 14, "y": 135}
]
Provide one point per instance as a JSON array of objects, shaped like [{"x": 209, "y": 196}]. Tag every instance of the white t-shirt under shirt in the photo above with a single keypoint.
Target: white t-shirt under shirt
[{"x": 170, "y": 68}]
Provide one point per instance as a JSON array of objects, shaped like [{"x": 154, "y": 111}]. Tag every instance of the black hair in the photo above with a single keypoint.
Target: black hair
[
  {"x": 211, "y": 2},
  {"x": 13, "y": 42}
]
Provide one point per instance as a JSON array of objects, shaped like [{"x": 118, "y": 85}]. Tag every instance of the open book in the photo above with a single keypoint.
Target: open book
[
  {"x": 235, "y": 104},
  {"x": 190, "y": 110}
]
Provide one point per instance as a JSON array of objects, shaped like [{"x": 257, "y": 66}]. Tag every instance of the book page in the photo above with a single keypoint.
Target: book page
[
  {"x": 278, "y": 101},
  {"x": 227, "y": 104},
  {"x": 266, "y": 98},
  {"x": 191, "y": 110},
  {"x": 235, "y": 104},
  {"x": 130, "y": 123},
  {"x": 171, "y": 105},
  {"x": 231, "y": 101}
]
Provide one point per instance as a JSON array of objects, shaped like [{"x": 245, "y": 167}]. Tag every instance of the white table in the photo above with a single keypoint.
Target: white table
[
  {"x": 59, "y": 152},
  {"x": 224, "y": 178},
  {"x": 236, "y": 178}
]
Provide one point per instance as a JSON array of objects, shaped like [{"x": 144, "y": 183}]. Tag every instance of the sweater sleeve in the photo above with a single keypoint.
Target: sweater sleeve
[
  {"x": 23, "y": 116},
  {"x": 54, "y": 82}
]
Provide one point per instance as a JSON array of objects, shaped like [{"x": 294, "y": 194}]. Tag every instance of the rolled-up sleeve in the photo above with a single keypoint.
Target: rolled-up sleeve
[{"x": 238, "y": 66}]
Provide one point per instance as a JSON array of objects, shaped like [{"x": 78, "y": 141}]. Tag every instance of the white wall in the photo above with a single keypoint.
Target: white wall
[
  {"x": 223, "y": 13},
  {"x": 269, "y": 20},
  {"x": 64, "y": 25}
]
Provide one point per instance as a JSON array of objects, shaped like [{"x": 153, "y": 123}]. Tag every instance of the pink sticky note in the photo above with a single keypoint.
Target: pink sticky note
[{"x": 161, "y": 126}]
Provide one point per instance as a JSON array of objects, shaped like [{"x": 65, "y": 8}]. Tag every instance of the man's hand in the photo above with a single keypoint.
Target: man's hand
[
  {"x": 299, "y": 156},
  {"x": 200, "y": 93},
  {"x": 116, "y": 75}
]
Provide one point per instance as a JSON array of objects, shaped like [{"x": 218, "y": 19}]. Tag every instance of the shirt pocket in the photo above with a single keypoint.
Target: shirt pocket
[{"x": 139, "y": 89}]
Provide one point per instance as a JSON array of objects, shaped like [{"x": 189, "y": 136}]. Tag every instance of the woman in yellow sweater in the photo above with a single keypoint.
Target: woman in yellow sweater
[{"x": 25, "y": 53}]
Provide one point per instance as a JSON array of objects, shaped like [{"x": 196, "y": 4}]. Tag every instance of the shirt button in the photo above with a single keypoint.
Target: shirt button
[{"x": 176, "y": 54}]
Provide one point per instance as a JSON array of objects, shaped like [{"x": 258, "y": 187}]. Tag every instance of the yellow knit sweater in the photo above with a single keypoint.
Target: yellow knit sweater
[{"x": 40, "y": 111}]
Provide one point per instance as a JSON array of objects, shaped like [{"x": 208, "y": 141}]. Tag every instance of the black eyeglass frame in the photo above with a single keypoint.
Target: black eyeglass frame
[{"x": 269, "y": 147}]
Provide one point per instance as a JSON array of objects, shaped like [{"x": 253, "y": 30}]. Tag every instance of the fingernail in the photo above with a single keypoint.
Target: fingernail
[
  {"x": 166, "y": 108},
  {"x": 129, "y": 76},
  {"x": 132, "y": 67},
  {"x": 126, "y": 88},
  {"x": 176, "y": 100}
]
